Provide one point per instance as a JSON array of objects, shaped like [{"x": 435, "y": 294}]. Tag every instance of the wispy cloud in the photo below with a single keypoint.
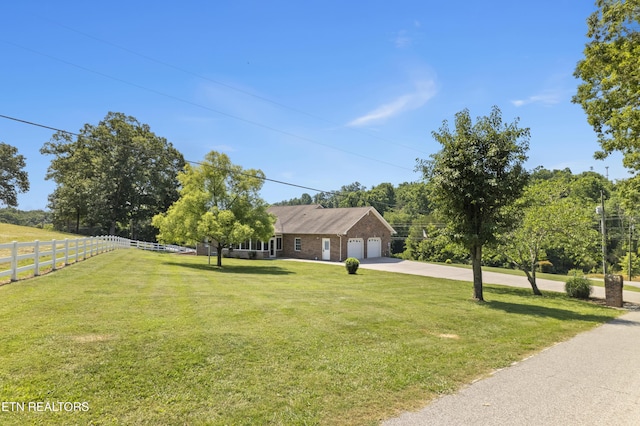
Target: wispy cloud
[
  {"x": 425, "y": 90},
  {"x": 402, "y": 40},
  {"x": 546, "y": 98}
]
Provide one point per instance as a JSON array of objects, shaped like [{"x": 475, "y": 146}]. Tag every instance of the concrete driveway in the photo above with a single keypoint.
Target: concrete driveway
[{"x": 463, "y": 274}]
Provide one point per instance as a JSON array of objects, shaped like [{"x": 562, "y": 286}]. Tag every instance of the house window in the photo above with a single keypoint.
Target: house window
[
  {"x": 297, "y": 245},
  {"x": 279, "y": 243},
  {"x": 257, "y": 246}
]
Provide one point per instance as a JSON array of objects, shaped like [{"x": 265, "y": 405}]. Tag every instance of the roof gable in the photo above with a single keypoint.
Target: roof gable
[{"x": 314, "y": 219}]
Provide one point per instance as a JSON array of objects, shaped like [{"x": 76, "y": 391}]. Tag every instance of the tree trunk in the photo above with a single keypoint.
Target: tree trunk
[
  {"x": 476, "y": 261},
  {"x": 219, "y": 256},
  {"x": 531, "y": 277}
]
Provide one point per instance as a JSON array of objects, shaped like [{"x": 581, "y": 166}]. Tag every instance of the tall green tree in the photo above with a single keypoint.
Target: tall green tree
[
  {"x": 550, "y": 216},
  {"x": 610, "y": 78},
  {"x": 218, "y": 202},
  {"x": 477, "y": 173},
  {"x": 115, "y": 176},
  {"x": 13, "y": 177}
]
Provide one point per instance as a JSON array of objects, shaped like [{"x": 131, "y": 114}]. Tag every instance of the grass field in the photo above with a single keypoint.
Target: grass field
[
  {"x": 148, "y": 338},
  {"x": 9, "y": 233}
]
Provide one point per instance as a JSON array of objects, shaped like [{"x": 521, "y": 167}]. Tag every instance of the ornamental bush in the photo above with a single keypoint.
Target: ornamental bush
[
  {"x": 578, "y": 287},
  {"x": 351, "y": 263}
]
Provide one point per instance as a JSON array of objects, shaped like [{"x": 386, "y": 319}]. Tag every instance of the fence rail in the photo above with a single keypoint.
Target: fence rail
[
  {"x": 34, "y": 258},
  {"x": 142, "y": 245}
]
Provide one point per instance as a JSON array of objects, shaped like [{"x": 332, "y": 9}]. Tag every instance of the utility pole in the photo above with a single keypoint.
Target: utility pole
[
  {"x": 600, "y": 211},
  {"x": 630, "y": 244}
]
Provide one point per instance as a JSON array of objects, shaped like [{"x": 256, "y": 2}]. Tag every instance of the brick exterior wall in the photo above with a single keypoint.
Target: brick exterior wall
[{"x": 311, "y": 245}]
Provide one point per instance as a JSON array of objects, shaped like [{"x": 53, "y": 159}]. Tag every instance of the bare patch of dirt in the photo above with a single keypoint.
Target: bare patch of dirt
[
  {"x": 449, "y": 336},
  {"x": 91, "y": 338}
]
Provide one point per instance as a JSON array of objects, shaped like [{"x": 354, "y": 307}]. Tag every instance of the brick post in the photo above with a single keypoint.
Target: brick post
[{"x": 613, "y": 290}]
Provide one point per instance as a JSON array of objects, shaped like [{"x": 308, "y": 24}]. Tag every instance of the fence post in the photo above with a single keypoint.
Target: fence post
[
  {"x": 66, "y": 252},
  {"x": 77, "y": 248},
  {"x": 53, "y": 254},
  {"x": 36, "y": 259},
  {"x": 14, "y": 261}
]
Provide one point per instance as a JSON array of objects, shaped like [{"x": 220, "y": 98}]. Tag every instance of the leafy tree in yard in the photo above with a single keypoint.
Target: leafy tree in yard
[
  {"x": 116, "y": 175},
  {"x": 13, "y": 178},
  {"x": 218, "y": 201},
  {"x": 610, "y": 78},
  {"x": 477, "y": 173},
  {"x": 550, "y": 217}
]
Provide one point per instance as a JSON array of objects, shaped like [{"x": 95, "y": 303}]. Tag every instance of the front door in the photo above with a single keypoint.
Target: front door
[
  {"x": 272, "y": 247},
  {"x": 326, "y": 249}
]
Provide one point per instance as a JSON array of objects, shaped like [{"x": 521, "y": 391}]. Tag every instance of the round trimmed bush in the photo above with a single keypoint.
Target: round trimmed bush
[
  {"x": 578, "y": 287},
  {"x": 351, "y": 263}
]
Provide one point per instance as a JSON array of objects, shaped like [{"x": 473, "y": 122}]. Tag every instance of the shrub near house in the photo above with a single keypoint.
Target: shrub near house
[{"x": 352, "y": 265}]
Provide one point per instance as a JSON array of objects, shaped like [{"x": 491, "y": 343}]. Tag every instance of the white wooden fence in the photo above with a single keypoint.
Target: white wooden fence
[{"x": 32, "y": 258}]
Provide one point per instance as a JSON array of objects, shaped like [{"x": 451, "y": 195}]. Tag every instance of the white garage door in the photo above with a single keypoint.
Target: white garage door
[
  {"x": 355, "y": 248},
  {"x": 374, "y": 247}
]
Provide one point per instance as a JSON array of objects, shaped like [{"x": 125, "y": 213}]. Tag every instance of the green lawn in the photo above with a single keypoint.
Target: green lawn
[
  {"x": 9, "y": 233},
  {"x": 148, "y": 338}
]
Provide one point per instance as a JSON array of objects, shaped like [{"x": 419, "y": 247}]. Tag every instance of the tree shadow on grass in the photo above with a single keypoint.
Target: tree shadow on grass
[
  {"x": 537, "y": 310},
  {"x": 234, "y": 269}
]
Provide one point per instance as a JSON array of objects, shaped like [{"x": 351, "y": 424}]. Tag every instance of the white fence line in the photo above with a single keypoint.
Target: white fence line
[
  {"x": 159, "y": 247},
  {"x": 36, "y": 255}
]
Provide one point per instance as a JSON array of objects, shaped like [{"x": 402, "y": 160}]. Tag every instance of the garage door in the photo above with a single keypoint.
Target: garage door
[
  {"x": 355, "y": 248},
  {"x": 374, "y": 247}
]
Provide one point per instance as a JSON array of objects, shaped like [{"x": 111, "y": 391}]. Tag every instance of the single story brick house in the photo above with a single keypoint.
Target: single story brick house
[
  {"x": 317, "y": 233},
  {"x": 313, "y": 232}
]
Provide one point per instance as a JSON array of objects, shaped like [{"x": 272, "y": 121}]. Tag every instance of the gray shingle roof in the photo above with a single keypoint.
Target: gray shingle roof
[{"x": 313, "y": 219}]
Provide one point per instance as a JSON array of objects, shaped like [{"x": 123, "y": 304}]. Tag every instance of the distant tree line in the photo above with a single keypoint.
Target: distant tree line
[{"x": 34, "y": 218}]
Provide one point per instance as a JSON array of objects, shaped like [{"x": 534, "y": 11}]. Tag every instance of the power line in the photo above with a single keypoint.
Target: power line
[
  {"x": 31, "y": 123},
  {"x": 228, "y": 86},
  {"x": 235, "y": 117}
]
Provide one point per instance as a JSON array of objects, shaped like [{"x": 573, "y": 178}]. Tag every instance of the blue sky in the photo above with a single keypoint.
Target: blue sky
[{"x": 318, "y": 93}]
